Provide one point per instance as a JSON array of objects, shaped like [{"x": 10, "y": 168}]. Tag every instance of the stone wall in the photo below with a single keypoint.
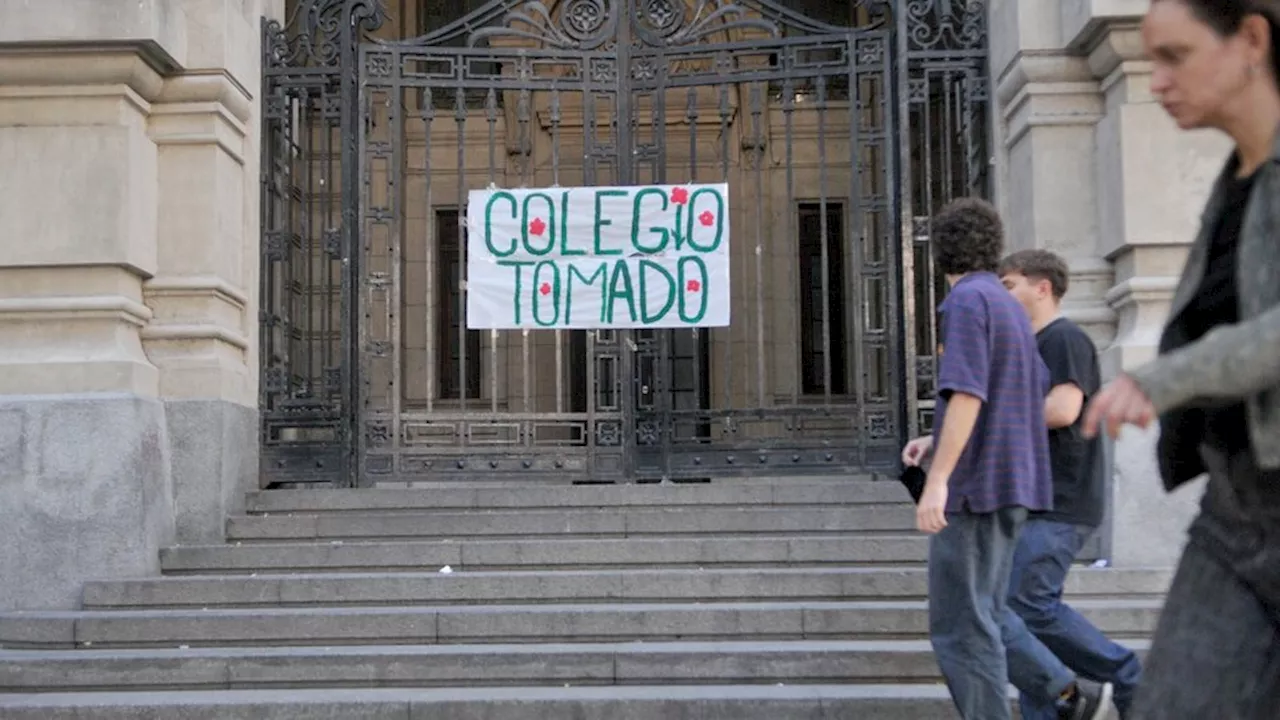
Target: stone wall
[
  {"x": 128, "y": 276},
  {"x": 1091, "y": 167}
]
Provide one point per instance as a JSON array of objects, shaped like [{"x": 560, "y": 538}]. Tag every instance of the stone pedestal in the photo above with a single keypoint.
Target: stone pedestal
[
  {"x": 1093, "y": 169},
  {"x": 85, "y": 492},
  {"x": 128, "y": 265}
]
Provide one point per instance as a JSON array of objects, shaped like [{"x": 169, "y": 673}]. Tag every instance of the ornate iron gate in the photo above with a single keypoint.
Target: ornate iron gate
[
  {"x": 944, "y": 128},
  {"x": 307, "y": 314},
  {"x": 834, "y": 140}
]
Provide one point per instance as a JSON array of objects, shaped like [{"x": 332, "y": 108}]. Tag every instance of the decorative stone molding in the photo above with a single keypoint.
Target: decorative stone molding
[
  {"x": 1141, "y": 304},
  {"x": 1084, "y": 21},
  {"x": 1049, "y": 104},
  {"x": 202, "y": 108},
  {"x": 78, "y": 205},
  {"x": 209, "y": 86},
  {"x": 90, "y": 307},
  {"x": 203, "y": 309},
  {"x": 1085, "y": 303},
  {"x": 1119, "y": 48},
  {"x": 199, "y": 337},
  {"x": 48, "y": 62},
  {"x": 1046, "y": 88}
]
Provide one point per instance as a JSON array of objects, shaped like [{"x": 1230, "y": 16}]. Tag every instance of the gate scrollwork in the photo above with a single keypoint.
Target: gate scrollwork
[{"x": 835, "y": 138}]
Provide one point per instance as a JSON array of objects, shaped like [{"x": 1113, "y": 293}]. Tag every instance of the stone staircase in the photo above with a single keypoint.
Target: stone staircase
[{"x": 780, "y": 599}]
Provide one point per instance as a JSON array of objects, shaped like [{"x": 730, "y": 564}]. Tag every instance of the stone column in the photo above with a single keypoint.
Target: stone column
[
  {"x": 85, "y": 484},
  {"x": 1048, "y": 105},
  {"x": 128, "y": 265},
  {"x": 1152, "y": 182},
  {"x": 203, "y": 337},
  {"x": 1091, "y": 168}
]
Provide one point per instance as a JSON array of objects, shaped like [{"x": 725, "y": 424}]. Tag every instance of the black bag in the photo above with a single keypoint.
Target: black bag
[{"x": 913, "y": 479}]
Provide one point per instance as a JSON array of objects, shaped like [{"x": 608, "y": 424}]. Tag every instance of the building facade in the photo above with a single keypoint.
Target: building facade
[{"x": 235, "y": 243}]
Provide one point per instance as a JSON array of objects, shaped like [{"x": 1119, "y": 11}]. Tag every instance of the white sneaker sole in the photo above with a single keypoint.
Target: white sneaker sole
[{"x": 1104, "y": 703}]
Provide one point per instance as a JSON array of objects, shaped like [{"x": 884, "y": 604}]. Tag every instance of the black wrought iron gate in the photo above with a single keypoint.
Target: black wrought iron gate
[{"x": 833, "y": 139}]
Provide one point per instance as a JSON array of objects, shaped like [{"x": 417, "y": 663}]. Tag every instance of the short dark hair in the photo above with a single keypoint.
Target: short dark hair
[
  {"x": 1225, "y": 17},
  {"x": 1039, "y": 265},
  {"x": 967, "y": 236}
]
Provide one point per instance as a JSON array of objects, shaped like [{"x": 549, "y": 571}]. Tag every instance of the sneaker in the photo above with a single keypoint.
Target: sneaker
[{"x": 1090, "y": 701}]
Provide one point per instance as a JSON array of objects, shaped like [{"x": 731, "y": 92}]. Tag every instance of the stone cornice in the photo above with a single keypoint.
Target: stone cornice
[
  {"x": 1046, "y": 88},
  {"x": 1117, "y": 44},
  {"x": 197, "y": 287},
  {"x": 1140, "y": 289},
  {"x": 1107, "y": 33},
  {"x": 207, "y": 123},
  {"x": 76, "y": 307},
  {"x": 150, "y": 51},
  {"x": 83, "y": 64},
  {"x": 209, "y": 86},
  {"x": 194, "y": 331},
  {"x": 1085, "y": 21},
  {"x": 1038, "y": 67}
]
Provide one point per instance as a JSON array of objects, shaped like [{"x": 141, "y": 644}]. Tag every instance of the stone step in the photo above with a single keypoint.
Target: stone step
[
  {"x": 509, "y": 624},
  {"x": 662, "y": 702},
  {"x": 421, "y": 666},
  {"x": 474, "y": 554},
  {"x": 586, "y": 522},
  {"x": 578, "y": 586},
  {"x": 497, "y": 496}
]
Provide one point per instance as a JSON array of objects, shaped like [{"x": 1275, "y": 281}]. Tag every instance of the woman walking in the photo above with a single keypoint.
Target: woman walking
[{"x": 1215, "y": 385}]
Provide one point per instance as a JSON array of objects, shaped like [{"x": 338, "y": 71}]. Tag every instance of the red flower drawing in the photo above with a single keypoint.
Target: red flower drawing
[
  {"x": 693, "y": 286},
  {"x": 679, "y": 195},
  {"x": 537, "y": 227},
  {"x": 706, "y": 218},
  {"x": 545, "y": 289}
]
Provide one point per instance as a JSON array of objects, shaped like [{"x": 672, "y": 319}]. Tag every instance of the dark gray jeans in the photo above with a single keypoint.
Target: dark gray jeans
[
  {"x": 969, "y": 566},
  {"x": 1216, "y": 651}
]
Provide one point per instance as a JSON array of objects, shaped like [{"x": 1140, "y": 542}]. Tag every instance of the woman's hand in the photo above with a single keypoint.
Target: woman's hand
[{"x": 1120, "y": 403}]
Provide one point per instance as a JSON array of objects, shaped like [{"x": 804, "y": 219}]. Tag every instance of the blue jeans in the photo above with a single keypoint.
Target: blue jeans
[
  {"x": 971, "y": 625},
  {"x": 1044, "y": 554}
]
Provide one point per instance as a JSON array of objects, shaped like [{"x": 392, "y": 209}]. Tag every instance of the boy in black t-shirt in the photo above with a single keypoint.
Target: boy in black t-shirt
[{"x": 1051, "y": 540}]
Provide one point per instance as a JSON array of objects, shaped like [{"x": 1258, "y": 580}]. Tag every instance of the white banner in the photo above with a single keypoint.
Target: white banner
[{"x": 649, "y": 256}]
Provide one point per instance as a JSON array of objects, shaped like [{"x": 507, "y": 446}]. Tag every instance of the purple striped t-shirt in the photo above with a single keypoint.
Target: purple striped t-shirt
[{"x": 989, "y": 351}]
